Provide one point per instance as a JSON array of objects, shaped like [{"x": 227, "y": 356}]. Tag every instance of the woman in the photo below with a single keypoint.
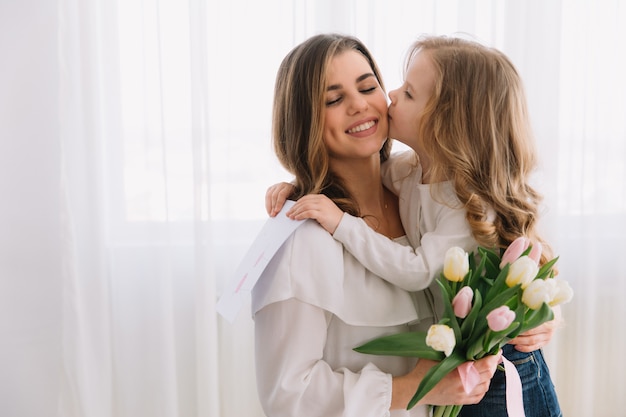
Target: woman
[{"x": 315, "y": 302}]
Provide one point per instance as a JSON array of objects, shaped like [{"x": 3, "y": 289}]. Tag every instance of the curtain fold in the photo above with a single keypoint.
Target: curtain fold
[
  {"x": 87, "y": 357},
  {"x": 206, "y": 347},
  {"x": 153, "y": 122}
]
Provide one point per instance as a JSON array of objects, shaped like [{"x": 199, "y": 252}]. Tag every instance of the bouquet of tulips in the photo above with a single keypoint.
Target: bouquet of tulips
[{"x": 488, "y": 301}]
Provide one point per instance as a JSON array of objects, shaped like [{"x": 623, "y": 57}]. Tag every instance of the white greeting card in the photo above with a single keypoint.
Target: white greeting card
[{"x": 271, "y": 237}]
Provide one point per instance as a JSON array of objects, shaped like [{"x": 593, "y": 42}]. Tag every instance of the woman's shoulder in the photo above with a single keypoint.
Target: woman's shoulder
[
  {"x": 312, "y": 249},
  {"x": 312, "y": 267},
  {"x": 295, "y": 270},
  {"x": 310, "y": 242}
]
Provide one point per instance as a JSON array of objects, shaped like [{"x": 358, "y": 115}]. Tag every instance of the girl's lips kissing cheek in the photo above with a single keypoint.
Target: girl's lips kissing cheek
[{"x": 363, "y": 128}]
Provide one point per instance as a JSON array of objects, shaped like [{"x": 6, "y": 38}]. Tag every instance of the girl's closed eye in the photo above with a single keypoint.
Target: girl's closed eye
[{"x": 407, "y": 94}]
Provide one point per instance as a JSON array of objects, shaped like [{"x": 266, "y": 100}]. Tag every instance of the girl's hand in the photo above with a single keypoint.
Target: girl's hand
[
  {"x": 318, "y": 207},
  {"x": 539, "y": 336},
  {"x": 276, "y": 195}
]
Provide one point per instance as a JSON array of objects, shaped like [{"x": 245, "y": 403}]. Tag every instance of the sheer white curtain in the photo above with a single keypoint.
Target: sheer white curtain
[
  {"x": 30, "y": 268},
  {"x": 135, "y": 153},
  {"x": 590, "y": 205}
]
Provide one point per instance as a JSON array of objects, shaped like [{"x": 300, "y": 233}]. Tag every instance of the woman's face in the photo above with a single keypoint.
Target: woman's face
[
  {"x": 409, "y": 101},
  {"x": 356, "y": 108}
]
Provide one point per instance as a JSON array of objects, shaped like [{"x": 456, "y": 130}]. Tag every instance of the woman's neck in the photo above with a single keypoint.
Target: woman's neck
[
  {"x": 378, "y": 205},
  {"x": 363, "y": 181}
]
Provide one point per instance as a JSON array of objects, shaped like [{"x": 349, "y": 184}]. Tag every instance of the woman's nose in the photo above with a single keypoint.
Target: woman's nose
[{"x": 358, "y": 104}]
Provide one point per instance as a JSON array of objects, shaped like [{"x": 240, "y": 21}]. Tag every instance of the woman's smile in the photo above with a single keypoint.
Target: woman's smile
[{"x": 363, "y": 128}]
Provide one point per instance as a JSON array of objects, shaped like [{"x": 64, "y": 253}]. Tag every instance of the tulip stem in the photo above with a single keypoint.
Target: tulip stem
[{"x": 439, "y": 410}]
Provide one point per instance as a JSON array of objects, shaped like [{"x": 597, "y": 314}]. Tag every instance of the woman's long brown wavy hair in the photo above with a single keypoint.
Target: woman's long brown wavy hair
[
  {"x": 298, "y": 116},
  {"x": 477, "y": 131}
]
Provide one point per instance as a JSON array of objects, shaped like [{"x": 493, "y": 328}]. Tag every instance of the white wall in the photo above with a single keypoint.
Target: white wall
[{"x": 30, "y": 336}]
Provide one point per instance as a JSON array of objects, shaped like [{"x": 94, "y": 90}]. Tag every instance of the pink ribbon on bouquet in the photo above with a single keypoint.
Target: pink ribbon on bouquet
[
  {"x": 469, "y": 376},
  {"x": 514, "y": 397}
]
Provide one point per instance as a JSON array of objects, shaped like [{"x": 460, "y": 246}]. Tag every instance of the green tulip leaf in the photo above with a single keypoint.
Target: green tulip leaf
[
  {"x": 500, "y": 299},
  {"x": 519, "y": 317},
  {"x": 491, "y": 261},
  {"x": 475, "y": 350},
  {"x": 410, "y": 344},
  {"x": 495, "y": 339},
  {"x": 546, "y": 269},
  {"x": 499, "y": 283},
  {"x": 537, "y": 317},
  {"x": 449, "y": 313},
  {"x": 446, "y": 289}
]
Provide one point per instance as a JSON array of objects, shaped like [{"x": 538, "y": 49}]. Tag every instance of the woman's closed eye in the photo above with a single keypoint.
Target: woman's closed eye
[
  {"x": 368, "y": 90},
  {"x": 333, "y": 100},
  {"x": 337, "y": 99}
]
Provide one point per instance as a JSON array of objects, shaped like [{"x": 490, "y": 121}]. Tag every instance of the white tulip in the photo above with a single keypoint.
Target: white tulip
[
  {"x": 523, "y": 271},
  {"x": 562, "y": 292},
  {"x": 455, "y": 264},
  {"x": 441, "y": 338},
  {"x": 536, "y": 293}
]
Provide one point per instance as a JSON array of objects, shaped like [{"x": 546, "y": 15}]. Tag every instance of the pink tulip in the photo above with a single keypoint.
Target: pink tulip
[
  {"x": 500, "y": 318},
  {"x": 535, "y": 252},
  {"x": 514, "y": 251},
  {"x": 462, "y": 302}
]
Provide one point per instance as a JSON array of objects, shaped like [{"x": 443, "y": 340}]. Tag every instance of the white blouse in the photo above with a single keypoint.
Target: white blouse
[{"x": 313, "y": 304}]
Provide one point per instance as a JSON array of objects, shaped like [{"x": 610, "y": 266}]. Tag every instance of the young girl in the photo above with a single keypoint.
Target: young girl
[{"x": 462, "y": 110}]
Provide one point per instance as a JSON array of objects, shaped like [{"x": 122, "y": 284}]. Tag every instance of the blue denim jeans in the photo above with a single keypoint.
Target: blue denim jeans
[{"x": 539, "y": 394}]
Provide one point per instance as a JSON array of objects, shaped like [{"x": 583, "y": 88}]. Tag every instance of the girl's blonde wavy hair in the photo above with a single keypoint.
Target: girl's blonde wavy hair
[
  {"x": 298, "y": 116},
  {"x": 477, "y": 131}
]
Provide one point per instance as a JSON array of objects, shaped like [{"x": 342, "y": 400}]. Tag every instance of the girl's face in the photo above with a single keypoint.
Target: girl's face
[
  {"x": 356, "y": 109},
  {"x": 409, "y": 101}
]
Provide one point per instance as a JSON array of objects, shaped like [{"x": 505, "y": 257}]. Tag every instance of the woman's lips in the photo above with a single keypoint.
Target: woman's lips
[{"x": 362, "y": 127}]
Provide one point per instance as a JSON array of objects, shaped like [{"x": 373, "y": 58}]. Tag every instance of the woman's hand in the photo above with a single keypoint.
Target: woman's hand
[
  {"x": 275, "y": 197},
  {"x": 539, "y": 336},
  {"x": 449, "y": 390},
  {"x": 318, "y": 207}
]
